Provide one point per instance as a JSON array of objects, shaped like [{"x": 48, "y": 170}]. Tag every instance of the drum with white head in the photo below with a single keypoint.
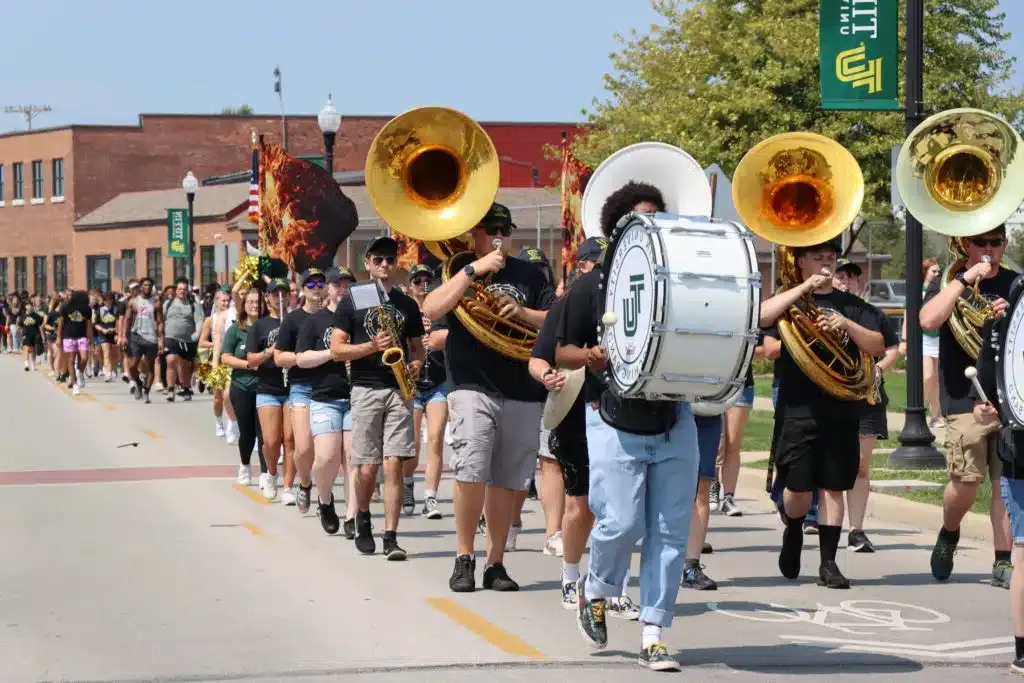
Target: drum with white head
[{"x": 1007, "y": 339}]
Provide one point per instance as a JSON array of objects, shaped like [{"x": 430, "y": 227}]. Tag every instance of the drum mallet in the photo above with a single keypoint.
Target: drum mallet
[
  {"x": 609, "y": 319},
  {"x": 971, "y": 373}
]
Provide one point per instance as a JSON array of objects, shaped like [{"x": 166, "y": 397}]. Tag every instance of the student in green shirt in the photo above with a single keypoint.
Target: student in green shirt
[{"x": 243, "y": 384}]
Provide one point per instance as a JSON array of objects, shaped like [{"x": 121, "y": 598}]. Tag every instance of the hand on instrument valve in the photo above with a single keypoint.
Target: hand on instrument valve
[
  {"x": 979, "y": 271},
  {"x": 985, "y": 413},
  {"x": 597, "y": 359},
  {"x": 508, "y": 307},
  {"x": 381, "y": 341},
  {"x": 815, "y": 281},
  {"x": 491, "y": 263},
  {"x": 426, "y": 324},
  {"x": 554, "y": 379},
  {"x": 999, "y": 307},
  {"x": 832, "y": 322}
]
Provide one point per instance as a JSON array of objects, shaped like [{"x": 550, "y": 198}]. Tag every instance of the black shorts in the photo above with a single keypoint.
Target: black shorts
[
  {"x": 814, "y": 453},
  {"x": 141, "y": 348},
  {"x": 184, "y": 350},
  {"x": 568, "y": 443},
  {"x": 874, "y": 423}
]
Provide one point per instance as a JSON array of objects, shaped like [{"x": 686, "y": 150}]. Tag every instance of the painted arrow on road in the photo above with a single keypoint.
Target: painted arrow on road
[{"x": 970, "y": 649}]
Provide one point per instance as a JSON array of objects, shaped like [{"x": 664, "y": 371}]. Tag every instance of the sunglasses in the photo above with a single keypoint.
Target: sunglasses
[
  {"x": 987, "y": 242},
  {"x": 378, "y": 260},
  {"x": 503, "y": 230},
  {"x": 314, "y": 284},
  {"x": 419, "y": 281}
]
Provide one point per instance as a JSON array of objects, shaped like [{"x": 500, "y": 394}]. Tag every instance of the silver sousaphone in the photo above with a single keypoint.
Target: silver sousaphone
[{"x": 686, "y": 191}]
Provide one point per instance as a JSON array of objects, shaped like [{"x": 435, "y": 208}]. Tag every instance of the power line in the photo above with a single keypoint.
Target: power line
[{"x": 29, "y": 111}]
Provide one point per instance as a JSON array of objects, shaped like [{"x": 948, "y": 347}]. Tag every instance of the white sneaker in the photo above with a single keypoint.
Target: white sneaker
[
  {"x": 79, "y": 380},
  {"x": 553, "y": 544},
  {"x": 513, "y": 536},
  {"x": 75, "y": 391},
  {"x": 158, "y": 386},
  {"x": 231, "y": 435},
  {"x": 219, "y": 428},
  {"x": 270, "y": 490},
  {"x": 288, "y": 497},
  {"x": 244, "y": 475}
]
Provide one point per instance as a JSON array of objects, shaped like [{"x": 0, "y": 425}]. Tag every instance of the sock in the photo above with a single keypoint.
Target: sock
[
  {"x": 408, "y": 480},
  {"x": 828, "y": 541},
  {"x": 692, "y": 562},
  {"x": 570, "y": 572},
  {"x": 949, "y": 536},
  {"x": 652, "y": 635},
  {"x": 1002, "y": 556},
  {"x": 625, "y": 584},
  {"x": 792, "y": 545},
  {"x": 1020, "y": 646},
  {"x": 430, "y": 493},
  {"x": 589, "y": 592}
]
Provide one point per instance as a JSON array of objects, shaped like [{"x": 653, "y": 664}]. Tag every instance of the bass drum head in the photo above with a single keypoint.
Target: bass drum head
[
  {"x": 1009, "y": 339},
  {"x": 637, "y": 298}
]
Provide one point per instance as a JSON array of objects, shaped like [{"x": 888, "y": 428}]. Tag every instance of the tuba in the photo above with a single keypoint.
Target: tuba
[
  {"x": 798, "y": 190},
  {"x": 432, "y": 173},
  {"x": 959, "y": 173}
]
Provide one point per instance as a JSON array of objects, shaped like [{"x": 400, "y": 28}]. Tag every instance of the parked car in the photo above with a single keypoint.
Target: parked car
[{"x": 888, "y": 293}]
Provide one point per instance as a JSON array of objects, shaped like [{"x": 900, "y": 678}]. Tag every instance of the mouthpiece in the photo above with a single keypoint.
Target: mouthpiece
[
  {"x": 970, "y": 372},
  {"x": 609, "y": 319},
  {"x": 826, "y": 272},
  {"x": 986, "y": 259},
  {"x": 496, "y": 243}
]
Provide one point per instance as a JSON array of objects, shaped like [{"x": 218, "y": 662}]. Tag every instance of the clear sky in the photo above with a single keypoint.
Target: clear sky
[{"x": 105, "y": 61}]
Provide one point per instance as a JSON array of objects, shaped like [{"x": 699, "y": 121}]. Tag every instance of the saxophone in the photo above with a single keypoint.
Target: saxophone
[{"x": 394, "y": 356}]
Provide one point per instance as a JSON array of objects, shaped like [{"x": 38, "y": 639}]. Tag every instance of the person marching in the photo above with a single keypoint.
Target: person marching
[
  {"x": 381, "y": 415},
  {"x": 31, "y": 334},
  {"x": 495, "y": 407},
  {"x": 144, "y": 329},
  {"x": 74, "y": 330}
]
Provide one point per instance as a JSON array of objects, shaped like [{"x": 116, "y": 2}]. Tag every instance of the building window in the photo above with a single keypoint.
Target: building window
[
  {"x": 37, "y": 179},
  {"x": 155, "y": 266},
  {"x": 127, "y": 264},
  {"x": 19, "y": 181},
  {"x": 60, "y": 273},
  {"x": 3, "y": 275},
  {"x": 39, "y": 275},
  {"x": 180, "y": 268},
  {"x": 97, "y": 270},
  {"x": 20, "y": 274},
  {"x": 58, "y": 178},
  {"x": 207, "y": 266}
]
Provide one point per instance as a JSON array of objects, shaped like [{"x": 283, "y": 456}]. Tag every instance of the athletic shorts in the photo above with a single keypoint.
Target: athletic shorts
[
  {"x": 182, "y": 349},
  {"x": 568, "y": 443},
  {"x": 71, "y": 345},
  {"x": 817, "y": 452},
  {"x": 874, "y": 423},
  {"x": 139, "y": 347}
]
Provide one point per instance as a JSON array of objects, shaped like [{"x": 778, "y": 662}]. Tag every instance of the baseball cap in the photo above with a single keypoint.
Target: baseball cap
[
  {"x": 382, "y": 246},
  {"x": 278, "y": 283},
  {"x": 592, "y": 249},
  {"x": 420, "y": 269},
  {"x": 847, "y": 264},
  {"x": 499, "y": 216},
  {"x": 533, "y": 255},
  {"x": 311, "y": 273},
  {"x": 334, "y": 275}
]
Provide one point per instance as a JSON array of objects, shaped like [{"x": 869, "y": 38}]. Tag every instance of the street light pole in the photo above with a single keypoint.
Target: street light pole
[
  {"x": 329, "y": 120},
  {"x": 191, "y": 184},
  {"x": 915, "y": 450}
]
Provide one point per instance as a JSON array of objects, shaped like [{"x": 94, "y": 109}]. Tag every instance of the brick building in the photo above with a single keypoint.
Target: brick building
[{"x": 75, "y": 199}]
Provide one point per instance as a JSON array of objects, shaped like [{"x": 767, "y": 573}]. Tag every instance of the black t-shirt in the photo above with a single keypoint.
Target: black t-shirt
[
  {"x": 106, "y": 316},
  {"x": 574, "y": 424},
  {"x": 287, "y": 338},
  {"x": 402, "y": 312},
  {"x": 32, "y": 324},
  {"x": 954, "y": 388},
  {"x": 580, "y": 321},
  {"x": 434, "y": 372},
  {"x": 471, "y": 364},
  {"x": 890, "y": 338},
  {"x": 798, "y": 395},
  {"x": 262, "y": 335},
  {"x": 330, "y": 380},
  {"x": 75, "y": 319},
  {"x": 52, "y": 318}
]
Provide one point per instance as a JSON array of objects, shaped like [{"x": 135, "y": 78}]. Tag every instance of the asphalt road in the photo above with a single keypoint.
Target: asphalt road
[{"x": 147, "y": 564}]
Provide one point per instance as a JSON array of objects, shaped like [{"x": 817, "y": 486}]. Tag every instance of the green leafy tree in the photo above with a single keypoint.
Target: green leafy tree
[
  {"x": 716, "y": 77},
  {"x": 243, "y": 110}
]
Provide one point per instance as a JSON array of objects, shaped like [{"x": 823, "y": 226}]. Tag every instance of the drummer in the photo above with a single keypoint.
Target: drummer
[{"x": 643, "y": 467}]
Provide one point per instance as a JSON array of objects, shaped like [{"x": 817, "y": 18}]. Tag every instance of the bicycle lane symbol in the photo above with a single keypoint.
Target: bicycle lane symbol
[{"x": 853, "y": 617}]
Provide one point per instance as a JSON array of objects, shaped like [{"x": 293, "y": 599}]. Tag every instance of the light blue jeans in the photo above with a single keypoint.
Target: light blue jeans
[{"x": 641, "y": 486}]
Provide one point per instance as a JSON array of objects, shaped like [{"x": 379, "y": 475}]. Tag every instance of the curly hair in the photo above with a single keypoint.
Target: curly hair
[{"x": 622, "y": 201}]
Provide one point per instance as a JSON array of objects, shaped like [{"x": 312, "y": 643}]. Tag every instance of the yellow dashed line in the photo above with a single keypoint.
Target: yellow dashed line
[
  {"x": 151, "y": 434},
  {"x": 499, "y": 638},
  {"x": 250, "y": 494},
  {"x": 253, "y": 529}
]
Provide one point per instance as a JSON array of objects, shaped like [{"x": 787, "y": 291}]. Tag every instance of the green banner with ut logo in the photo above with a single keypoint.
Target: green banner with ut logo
[
  {"x": 178, "y": 239},
  {"x": 858, "y": 46}
]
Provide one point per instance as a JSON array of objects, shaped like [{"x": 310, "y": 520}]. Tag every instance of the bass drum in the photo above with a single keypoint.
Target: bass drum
[
  {"x": 1008, "y": 342},
  {"x": 707, "y": 409},
  {"x": 686, "y": 296}
]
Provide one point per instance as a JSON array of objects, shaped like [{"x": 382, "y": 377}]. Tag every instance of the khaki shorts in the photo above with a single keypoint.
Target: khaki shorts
[
  {"x": 381, "y": 426},
  {"x": 972, "y": 449}
]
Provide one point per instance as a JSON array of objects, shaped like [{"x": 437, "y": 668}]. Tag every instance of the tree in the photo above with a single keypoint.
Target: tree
[
  {"x": 718, "y": 76},
  {"x": 243, "y": 110}
]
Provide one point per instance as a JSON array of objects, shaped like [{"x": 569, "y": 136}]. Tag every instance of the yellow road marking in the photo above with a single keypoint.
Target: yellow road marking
[
  {"x": 499, "y": 638},
  {"x": 250, "y": 494},
  {"x": 107, "y": 406},
  {"x": 151, "y": 434},
  {"x": 253, "y": 529}
]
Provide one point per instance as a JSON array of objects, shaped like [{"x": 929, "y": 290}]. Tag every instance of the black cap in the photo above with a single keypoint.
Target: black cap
[
  {"x": 278, "y": 283},
  {"x": 334, "y": 275},
  {"x": 311, "y": 273},
  {"x": 847, "y": 264},
  {"x": 835, "y": 244},
  {"x": 382, "y": 246},
  {"x": 592, "y": 249},
  {"x": 499, "y": 216},
  {"x": 533, "y": 255},
  {"x": 420, "y": 269}
]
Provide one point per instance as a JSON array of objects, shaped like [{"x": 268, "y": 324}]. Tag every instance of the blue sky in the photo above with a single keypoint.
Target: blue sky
[{"x": 105, "y": 61}]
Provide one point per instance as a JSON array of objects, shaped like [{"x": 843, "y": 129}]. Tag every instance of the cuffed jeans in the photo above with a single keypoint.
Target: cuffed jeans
[{"x": 641, "y": 486}]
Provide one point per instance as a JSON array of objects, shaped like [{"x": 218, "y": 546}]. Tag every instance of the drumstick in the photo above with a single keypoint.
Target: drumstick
[
  {"x": 971, "y": 373},
  {"x": 609, "y": 319}
]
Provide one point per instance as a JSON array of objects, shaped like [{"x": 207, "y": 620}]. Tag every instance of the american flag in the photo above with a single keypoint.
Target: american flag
[{"x": 254, "y": 185}]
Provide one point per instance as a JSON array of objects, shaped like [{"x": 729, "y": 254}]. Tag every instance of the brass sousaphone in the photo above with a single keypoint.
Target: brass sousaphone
[
  {"x": 432, "y": 173},
  {"x": 798, "y": 190},
  {"x": 961, "y": 174}
]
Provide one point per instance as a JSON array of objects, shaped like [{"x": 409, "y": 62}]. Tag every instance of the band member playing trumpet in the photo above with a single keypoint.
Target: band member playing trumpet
[
  {"x": 381, "y": 415},
  {"x": 972, "y": 452},
  {"x": 495, "y": 407},
  {"x": 643, "y": 467},
  {"x": 815, "y": 444}
]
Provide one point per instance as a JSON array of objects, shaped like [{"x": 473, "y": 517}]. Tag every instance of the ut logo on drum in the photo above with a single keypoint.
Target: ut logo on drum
[{"x": 631, "y": 305}]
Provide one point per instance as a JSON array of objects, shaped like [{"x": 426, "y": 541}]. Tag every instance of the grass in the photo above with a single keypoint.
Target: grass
[{"x": 895, "y": 389}]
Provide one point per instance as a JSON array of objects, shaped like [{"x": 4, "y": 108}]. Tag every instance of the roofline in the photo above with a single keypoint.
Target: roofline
[
  {"x": 53, "y": 129},
  {"x": 219, "y": 218}
]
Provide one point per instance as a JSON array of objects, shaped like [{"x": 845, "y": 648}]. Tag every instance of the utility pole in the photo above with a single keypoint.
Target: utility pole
[
  {"x": 280, "y": 99},
  {"x": 29, "y": 111}
]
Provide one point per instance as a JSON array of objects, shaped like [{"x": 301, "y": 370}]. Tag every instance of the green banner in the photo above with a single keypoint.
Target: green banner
[
  {"x": 178, "y": 239},
  {"x": 859, "y": 50}
]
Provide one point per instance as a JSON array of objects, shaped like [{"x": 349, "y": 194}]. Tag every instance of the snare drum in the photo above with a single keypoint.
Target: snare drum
[{"x": 686, "y": 295}]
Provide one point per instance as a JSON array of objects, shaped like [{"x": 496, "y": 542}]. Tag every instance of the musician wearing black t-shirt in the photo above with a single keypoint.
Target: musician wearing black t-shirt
[
  {"x": 972, "y": 446},
  {"x": 74, "y": 332},
  {"x": 495, "y": 406},
  {"x": 381, "y": 416},
  {"x": 815, "y": 444},
  {"x": 643, "y": 467}
]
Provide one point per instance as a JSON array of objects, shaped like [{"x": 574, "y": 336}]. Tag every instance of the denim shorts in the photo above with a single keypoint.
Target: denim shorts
[
  {"x": 746, "y": 399},
  {"x": 1013, "y": 498},
  {"x": 438, "y": 393},
  {"x": 300, "y": 395},
  {"x": 330, "y": 418},
  {"x": 709, "y": 435},
  {"x": 270, "y": 401}
]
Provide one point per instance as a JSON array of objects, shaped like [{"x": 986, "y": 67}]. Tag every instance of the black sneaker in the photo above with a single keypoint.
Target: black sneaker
[
  {"x": 430, "y": 509},
  {"x": 392, "y": 551},
  {"x": 497, "y": 579},
  {"x": 302, "y": 500},
  {"x": 350, "y": 528},
  {"x": 201, "y": 387},
  {"x": 328, "y": 516},
  {"x": 408, "y": 499},
  {"x": 694, "y": 577},
  {"x": 811, "y": 526},
  {"x": 364, "y": 534},
  {"x": 789, "y": 555},
  {"x": 145, "y": 395},
  {"x": 590, "y": 618},
  {"x": 942, "y": 558},
  {"x": 186, "y": 394},
  {"x": 463, "y": 578},
  {"x": 1017, "y": 666},
  {"x": 715, "y": 496},
  {"x": 170, "y": 396},
  {"x": 656, "y": 658},
  {"x": 137, "y": 392},
  {"x": 830, "y": 576},
  {"x": 858, "y": 542}
]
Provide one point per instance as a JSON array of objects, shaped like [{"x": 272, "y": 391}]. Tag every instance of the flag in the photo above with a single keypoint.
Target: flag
[
  {"x": 412, "y": 252},
  {"x": 254, "y": 184},
  {"x": 574, "y": 180}
]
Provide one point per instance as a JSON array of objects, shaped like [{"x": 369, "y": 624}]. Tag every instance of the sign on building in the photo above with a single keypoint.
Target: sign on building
[{"x": 178, "y": 238}]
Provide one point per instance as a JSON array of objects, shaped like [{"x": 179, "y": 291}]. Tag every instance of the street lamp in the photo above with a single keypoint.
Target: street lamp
[
  {"x": 191, "y": 184},
  {"x": 329, "y": 120}
]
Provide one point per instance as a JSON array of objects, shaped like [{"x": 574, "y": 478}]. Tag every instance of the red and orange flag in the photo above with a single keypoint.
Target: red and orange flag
[{"x": 575, "y": 175}]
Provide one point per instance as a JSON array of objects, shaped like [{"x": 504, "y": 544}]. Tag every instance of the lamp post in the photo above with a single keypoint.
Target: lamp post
[
  {"x": 191, "y": 184},
  {"x": 329, "y": 120}
]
